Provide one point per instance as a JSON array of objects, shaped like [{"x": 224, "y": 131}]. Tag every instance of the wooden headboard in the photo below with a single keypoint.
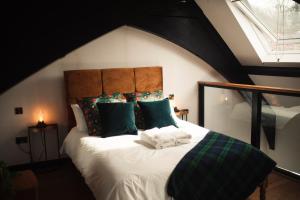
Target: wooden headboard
[{"x": 94, "y": 82}]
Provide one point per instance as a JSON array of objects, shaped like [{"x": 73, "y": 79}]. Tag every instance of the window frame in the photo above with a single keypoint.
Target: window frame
[{"x": 254, "y": 31}]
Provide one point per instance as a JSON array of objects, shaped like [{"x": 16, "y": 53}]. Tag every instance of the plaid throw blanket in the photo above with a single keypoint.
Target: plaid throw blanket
[{"x": 219, "y": 168}]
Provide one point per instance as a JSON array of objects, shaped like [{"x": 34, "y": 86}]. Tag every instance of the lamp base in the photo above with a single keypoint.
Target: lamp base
[
  {"x": 41, "y": 124},
  {"x": 176, "y": 109}
]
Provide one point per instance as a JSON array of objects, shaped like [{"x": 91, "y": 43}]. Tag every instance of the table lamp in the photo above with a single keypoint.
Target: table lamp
[{"x": 41, "y": 123}]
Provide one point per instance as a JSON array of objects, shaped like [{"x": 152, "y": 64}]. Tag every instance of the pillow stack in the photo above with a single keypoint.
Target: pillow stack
[
  {"x": 117, "y": 119},
  {"x": 157, "y": 113},
  {"x": 91, "y": 113},
  {"x": 119, "y": 114},
  {"x": 79, "y": 118},
  {"x": 142, "y": 97}
]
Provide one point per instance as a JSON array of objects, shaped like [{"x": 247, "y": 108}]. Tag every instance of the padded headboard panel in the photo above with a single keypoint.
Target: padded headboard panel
[
  {"x": 94, "y": 82},
  {"x": 82, "y": 83},
  {"x": 148, "y": 79},
  {"x": 118, "y": 80}
]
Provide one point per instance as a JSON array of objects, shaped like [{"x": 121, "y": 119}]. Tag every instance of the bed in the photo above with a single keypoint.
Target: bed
[
  {"x": 122, "y": 167},
  {"x": 107, "y": 164}
]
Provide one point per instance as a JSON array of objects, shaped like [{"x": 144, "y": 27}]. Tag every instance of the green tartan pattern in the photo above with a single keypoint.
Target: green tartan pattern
[{"x": 219, "y": 168}]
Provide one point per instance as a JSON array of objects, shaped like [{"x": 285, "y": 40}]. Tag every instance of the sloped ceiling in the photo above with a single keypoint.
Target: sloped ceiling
[
  {"x": 223, "y": 20},
  {"x": 37, "y": 35}
]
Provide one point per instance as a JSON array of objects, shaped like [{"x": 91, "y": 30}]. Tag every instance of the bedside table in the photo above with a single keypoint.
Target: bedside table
[
  {"x": 42, "y": 130},
  {"x": 182, "y": 113}
]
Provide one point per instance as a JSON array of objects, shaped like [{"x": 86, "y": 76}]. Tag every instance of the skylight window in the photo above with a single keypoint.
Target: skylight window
[{"x": 276, "y": 24}]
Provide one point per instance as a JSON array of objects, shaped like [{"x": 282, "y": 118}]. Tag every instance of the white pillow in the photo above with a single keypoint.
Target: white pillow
[
  {"x": 79, "y": 117},
  {"x": 173, "y": 114}
]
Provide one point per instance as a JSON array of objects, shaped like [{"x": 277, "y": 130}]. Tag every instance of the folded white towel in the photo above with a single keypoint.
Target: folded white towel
[
  {"x": 151, "y": 132},
  {"x": 168, "y": 128},
  {"x": 157, "y": 141},
  {"x": 165, "y": 145},
  {"x": 180, "y": 134},
  {"x": 149, "y": 135},
  {"x": 182, "y": 141},
  {"x": 165, "y": 137}
]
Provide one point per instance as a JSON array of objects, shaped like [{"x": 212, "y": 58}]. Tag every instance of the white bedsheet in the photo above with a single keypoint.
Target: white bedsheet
[{"x": 121, "y": 168}]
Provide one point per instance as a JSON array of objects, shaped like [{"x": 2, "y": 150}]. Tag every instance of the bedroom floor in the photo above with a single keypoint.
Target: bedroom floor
[{"x": 64, "y": 182}]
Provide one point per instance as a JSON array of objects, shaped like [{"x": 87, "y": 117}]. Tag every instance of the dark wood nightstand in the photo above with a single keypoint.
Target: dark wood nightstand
[
  {"x": 182, "y": 113},
  {"x": 42, "y": 130}
]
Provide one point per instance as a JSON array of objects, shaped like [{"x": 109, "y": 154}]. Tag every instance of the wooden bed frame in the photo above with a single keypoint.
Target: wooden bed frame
[{"x": 94, "y": 82}]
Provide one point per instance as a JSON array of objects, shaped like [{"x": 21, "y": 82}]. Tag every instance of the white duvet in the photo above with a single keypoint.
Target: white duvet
[{"x": 121, "y": 168}]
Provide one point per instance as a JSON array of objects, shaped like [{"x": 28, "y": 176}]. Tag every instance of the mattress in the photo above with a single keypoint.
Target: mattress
[{"x": 122, "y": 167}]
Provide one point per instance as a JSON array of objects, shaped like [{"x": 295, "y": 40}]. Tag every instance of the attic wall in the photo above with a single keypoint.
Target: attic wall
[{"x": 123, "y": 47}]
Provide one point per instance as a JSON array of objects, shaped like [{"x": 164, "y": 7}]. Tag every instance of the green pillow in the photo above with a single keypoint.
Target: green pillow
[
  {"x": 91, "y": 113},
  {"x": 157, "y": 113},
  {"x": 117, "y": 119}
]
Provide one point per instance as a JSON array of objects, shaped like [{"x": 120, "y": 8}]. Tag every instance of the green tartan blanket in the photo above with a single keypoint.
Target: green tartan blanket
[{"x": 219, "y": 168}]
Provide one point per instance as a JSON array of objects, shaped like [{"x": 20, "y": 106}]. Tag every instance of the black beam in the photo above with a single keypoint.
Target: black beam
[
  {"x": 201, "y": 105},
  {"x": 38, "y": 35},
  {"x": 256, "y": 119},
  {"x": 273, "y": 71},
  {"x": 298, "y": 1}
]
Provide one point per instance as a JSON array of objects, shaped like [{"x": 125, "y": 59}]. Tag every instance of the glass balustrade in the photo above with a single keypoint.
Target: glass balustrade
[{"x": 266, "y": 117}]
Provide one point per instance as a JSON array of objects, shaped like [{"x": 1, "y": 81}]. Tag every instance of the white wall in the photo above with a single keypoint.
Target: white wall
[{"x": 123, "y": 47}]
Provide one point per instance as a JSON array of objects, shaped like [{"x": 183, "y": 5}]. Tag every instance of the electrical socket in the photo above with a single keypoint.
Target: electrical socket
[{"x": 22, "y": 139}]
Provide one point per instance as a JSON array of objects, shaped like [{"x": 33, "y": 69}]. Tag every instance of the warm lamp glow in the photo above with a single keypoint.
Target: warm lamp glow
[
  {"x": 226, "y": 99},
  {"x": 42, "y": 113},
  {"x": 41, "y": 122},
  {"x": 41, "y": 116}
]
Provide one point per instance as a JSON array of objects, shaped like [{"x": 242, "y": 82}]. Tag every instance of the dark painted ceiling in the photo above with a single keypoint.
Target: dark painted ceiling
[{"x": 36, "y": 35}]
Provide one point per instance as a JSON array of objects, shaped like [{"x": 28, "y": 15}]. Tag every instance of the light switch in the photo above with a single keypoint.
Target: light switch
[{"x": 18, "y": 110}]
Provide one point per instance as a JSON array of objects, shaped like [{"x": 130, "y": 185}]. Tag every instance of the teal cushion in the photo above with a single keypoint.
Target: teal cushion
[
  {"x": 117, "y": 119},
  {"x": 142, "y": 96},
  {"x": 157, "y": 113},
  {"x": 91, "y": 113}
]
